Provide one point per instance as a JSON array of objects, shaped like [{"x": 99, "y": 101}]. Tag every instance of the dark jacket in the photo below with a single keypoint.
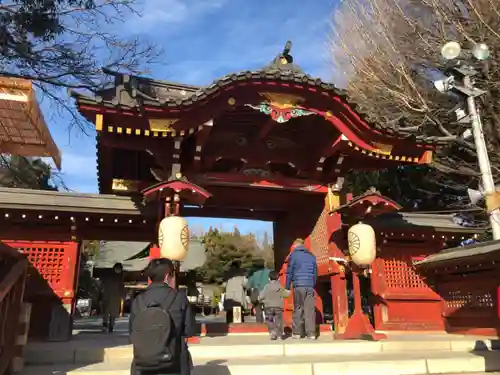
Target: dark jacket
[
  {"x": 273, "y": 294},
  {"x": 181, "y": 313},
  {"x": 302, "y": 270},
  {"x": 259, "y": 279}
]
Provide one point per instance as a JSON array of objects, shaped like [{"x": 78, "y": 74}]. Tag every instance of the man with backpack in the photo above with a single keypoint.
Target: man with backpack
[{"x": 160, "y": 321}]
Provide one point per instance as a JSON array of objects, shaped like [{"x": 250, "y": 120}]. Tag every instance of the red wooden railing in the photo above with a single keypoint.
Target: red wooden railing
[{"x": 13, "y": 271}]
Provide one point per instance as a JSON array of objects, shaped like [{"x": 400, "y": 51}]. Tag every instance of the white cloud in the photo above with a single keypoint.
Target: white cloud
[{"x": 160, "y": 16}]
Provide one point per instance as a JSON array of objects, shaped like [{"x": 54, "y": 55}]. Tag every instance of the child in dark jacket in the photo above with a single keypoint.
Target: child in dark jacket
[{"x": 272, "y": 297}]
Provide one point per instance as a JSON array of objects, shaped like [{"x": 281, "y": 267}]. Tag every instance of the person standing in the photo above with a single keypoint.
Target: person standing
[
  {"x": 113, "y": 295},
  {"x": 272, "y": 297},
  {"x": 161, "y": 315},
  {"x": 302, "y": 274},
  {"x": 256, "y": 284},
  {"x": 235, "y": 293}
]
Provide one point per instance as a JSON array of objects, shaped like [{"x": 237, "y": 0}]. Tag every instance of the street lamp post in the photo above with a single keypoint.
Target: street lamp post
[
  {"x": 451, "y": 51},
  {"x": 482, "y": 157}
]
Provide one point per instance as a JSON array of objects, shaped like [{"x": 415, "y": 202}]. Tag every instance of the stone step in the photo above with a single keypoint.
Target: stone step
[
  {"x": 116, "y": 348},
  {"x": 413, "y": 363},
  {"x": 92, "y": 351}
]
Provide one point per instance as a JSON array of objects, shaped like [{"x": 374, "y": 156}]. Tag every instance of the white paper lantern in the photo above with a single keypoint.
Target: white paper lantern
[
  {"x": 173, "y": 238},
  {"x": 362, "y": 244}
]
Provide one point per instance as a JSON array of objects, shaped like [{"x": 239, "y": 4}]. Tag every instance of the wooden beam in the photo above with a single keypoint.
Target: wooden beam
[
  {"x": 260, "y": 199},
  {"x": 257, "y": 157},
  {"x": 254, "y": 150},
  {"x": 104, "y": 168},
  {"x": 164, "y": 158},
  {"x": 336, "y": 146},
  {"x": 131, "y": 142},
  {"x": 10, "y": 231},
  {"x": 266, "y": 129},
  {"x": 230, "y": 213},
  {"x": 201, "y": 138},
  {"x": 260, "y": 183},
  {"x": 143, "y": 232}
]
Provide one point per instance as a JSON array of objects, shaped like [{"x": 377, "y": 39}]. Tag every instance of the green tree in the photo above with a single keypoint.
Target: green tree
[
  {"x": 268, "y": 251},
  {"x": 31, "y": 173},
  {"x": 91, "y": 249},
  {"x": 223, "y": 249},
  {"x": 414, "y": 188}
]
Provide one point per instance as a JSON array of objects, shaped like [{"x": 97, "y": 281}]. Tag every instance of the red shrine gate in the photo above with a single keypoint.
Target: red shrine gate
[
  {"x": 272, "y": 144},
  {"x": 266, "y": 144}
]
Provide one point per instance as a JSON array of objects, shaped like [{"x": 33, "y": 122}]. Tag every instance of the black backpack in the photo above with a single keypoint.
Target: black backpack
[{"x": 154, "y": 339}]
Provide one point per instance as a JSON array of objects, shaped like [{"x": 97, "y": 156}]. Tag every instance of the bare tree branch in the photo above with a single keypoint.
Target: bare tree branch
[
  {"x": 388, "y": 54},
  {"x": 66, "y": 43}
]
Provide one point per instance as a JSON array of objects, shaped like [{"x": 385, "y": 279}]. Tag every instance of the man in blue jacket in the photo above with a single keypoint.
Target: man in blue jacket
[{"x": 302, "y": 273}]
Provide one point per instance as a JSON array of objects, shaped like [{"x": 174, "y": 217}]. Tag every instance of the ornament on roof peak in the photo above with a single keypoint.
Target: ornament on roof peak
[{"x": 284, "y": 61}]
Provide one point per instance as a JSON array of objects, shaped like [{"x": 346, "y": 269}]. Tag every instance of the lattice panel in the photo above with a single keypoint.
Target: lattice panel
[
  {"x": 48, "y": 261},
  {"x": 52, "y": 267},
  {"x": 319, "y": 239},
  {"x": 401, "y": 274}
]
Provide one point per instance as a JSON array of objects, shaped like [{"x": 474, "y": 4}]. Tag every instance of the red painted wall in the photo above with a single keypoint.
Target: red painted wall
[{"x": 402, "y": 299}]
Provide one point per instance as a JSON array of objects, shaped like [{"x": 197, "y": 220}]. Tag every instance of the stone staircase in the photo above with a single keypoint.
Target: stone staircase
[{"x": 98, "y": 354}]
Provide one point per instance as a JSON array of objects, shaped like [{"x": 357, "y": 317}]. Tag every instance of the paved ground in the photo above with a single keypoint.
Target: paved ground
[
  {"x": 93, "y": 324},
  {"x": 93, "y": 352}
]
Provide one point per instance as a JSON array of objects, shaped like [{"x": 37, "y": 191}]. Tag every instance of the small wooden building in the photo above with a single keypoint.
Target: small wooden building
[
  {"x": 134, "y": 256},
  {"x": 467, "y": 280}
]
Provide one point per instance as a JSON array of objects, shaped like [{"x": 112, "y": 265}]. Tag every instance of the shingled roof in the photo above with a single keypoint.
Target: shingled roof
[
  {"x": 408, "y": 220},
  {"x": 14, "y": 198},
  {"x": 135, "y": 255},
  {"x": 131, "y": 92},
  {"x": 477, "y": 251}
]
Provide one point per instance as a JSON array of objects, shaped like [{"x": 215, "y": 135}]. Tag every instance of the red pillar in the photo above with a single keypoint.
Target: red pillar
[
  {"x": 338, "y": 277},
  {"x": 359, "y": 326}
]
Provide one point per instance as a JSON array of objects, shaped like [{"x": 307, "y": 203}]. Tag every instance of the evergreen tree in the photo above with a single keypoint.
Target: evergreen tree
[
  {"x": 30, "y": 173},
  {"x": 223, "y": 249}
]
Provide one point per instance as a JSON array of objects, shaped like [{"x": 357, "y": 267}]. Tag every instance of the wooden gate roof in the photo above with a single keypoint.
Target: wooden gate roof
[
  {"x": 41, "y": 200},
  {"x": 129, "y": 218}
]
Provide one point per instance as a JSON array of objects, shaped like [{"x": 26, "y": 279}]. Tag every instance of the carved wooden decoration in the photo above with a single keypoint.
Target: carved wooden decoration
[{"x": 280, "y": 115}]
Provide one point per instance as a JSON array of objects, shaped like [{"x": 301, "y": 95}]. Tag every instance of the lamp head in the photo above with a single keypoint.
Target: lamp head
[
  {"x": 451, "y": 50},
  {"x": 481, "y": 51}
]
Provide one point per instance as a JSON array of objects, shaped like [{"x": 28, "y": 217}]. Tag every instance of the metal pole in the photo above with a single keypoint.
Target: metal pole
[{"x": 482, "y": 157}]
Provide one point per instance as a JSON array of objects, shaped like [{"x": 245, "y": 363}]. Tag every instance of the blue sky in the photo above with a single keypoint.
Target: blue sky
[{"x": 203, "y": 40}]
